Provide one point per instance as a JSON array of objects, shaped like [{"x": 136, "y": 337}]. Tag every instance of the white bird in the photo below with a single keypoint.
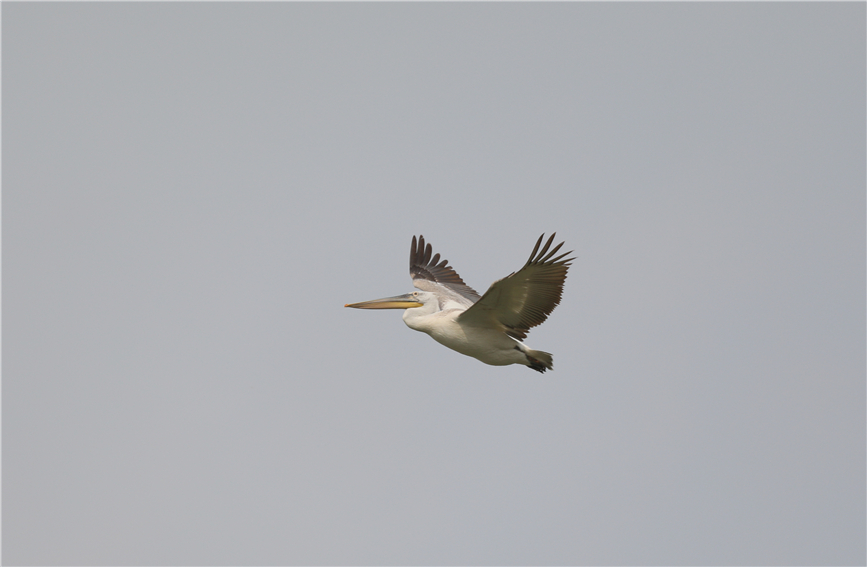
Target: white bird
[{"x": 490, "y": 327}]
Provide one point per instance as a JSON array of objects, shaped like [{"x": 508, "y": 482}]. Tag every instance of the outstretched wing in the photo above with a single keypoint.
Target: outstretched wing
[
  {"x": 426, "y": 272},
  {"x": 525, "y": 298}
]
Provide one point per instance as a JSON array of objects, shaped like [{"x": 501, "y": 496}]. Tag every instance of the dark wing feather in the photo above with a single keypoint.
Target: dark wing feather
[
  {"x": 525, "y": 298},
  {"x": 424, "y": 267}
]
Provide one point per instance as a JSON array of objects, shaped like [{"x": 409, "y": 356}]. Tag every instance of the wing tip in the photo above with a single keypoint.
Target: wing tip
[{"x": 545, "y": 257}]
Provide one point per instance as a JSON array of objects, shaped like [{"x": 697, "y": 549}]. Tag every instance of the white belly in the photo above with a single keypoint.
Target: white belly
[{"x": 491, "y": 346}]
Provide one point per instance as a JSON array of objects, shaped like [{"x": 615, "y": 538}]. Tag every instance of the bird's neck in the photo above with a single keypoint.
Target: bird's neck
[{"x": 418, "y": 318}]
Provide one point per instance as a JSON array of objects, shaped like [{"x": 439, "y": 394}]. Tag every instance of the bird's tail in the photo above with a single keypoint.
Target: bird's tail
[{"x": 539, "y": 360}]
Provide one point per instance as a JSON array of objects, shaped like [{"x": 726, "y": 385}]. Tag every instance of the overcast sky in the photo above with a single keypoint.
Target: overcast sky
[{"x": 192, "y": 192}]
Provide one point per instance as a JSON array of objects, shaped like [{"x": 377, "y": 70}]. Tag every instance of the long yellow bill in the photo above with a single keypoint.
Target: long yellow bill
[{"x": 397, "y": 302}]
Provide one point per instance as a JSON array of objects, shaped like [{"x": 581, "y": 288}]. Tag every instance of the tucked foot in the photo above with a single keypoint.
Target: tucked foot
[{"x": 536, "y": 364}]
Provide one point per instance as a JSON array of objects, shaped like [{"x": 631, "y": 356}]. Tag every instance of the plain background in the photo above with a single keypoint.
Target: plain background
[{"x": 191, "y": 192}]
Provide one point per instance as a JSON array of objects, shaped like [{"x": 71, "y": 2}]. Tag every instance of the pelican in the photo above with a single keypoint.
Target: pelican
[{"x": 489, "y": 327}]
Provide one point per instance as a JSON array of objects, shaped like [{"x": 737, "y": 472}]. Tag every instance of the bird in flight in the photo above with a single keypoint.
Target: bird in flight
[{"x": 489, "y": 327}]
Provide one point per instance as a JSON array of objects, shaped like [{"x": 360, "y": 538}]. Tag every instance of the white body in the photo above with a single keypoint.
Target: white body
[{"x": 485, "y": 343}]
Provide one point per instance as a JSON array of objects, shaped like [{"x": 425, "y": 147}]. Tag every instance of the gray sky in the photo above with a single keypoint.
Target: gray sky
[{"x": 191, "y": 192}]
